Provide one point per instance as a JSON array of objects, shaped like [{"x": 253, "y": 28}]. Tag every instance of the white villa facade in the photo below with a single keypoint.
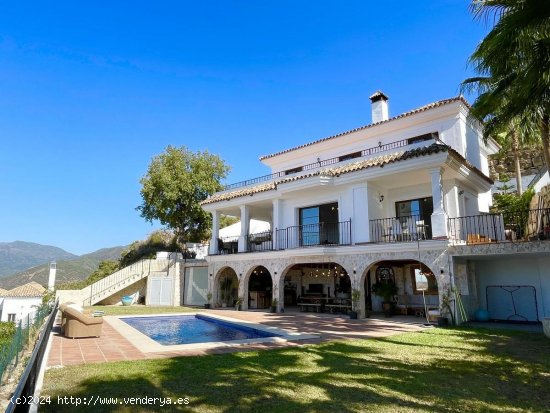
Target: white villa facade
[{"x": 386, "y": 201}]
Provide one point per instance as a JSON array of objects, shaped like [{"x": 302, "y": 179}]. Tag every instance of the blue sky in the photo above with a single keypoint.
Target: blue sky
[{"x": 91, "y": 91}]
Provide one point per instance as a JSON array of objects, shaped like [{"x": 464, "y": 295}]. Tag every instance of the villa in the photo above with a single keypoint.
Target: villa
[{"x": 401, "y": 197}]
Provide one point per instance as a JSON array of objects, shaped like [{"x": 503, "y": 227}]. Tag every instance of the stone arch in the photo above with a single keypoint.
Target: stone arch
[
  {"x": 229, "y": 290},
  {"x": 405, "y": 259},
  {"x": 293, "y": 274},
  {"x": 244, "y": 290}
]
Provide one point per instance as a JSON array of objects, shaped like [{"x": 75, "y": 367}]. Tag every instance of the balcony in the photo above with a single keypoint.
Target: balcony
[
  {"x": 372, "y": 151},
  {"x": 313, "y": 235},
  {"x": 399, "y": 229},
  {"x": 531, "y": 225},
  {"x": 300, "y": 236}
]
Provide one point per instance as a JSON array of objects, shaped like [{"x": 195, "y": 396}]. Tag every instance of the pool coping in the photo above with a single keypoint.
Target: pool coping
[{"x": 146, "y": 344}]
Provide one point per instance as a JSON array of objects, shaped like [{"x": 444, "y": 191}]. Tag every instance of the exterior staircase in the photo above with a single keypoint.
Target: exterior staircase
[{"x": 104, "y": 288}]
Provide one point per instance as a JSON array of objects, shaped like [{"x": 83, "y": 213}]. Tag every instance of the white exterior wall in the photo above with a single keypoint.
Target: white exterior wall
[
  {"x": 517, "y": 271},
  {"x": 443, "y": 120},
  {"x": 20, "y": 306}
]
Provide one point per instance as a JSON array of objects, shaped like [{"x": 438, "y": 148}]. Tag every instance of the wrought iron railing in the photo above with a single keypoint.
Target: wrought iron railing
[
  {"x": 227, "y": 245},
  {"x": 399, "y": 229},
  {"x": 477, "y": 229},
  {"x": 319, "y": 164},
  {"x": 262, "y": 241},
  {"x": 530, "y": 225},
  {"x": 309, "y": 235}
]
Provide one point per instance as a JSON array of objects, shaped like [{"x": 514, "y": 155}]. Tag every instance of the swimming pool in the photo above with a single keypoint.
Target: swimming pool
[{"x": 189, "y": 329}]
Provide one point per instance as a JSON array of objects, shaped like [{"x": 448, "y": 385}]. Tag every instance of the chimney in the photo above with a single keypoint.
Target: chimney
[
  {"x": 51, "y": 277},
  {"x": 379, "y": 105}
]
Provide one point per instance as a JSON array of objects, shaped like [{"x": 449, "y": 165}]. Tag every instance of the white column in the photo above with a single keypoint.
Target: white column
[
  {"x": 275, "y": 221},
  {"x": 215, "y": 232},
  {"x": 245, "y": 224},
  {"x": 439, "y": 216}
]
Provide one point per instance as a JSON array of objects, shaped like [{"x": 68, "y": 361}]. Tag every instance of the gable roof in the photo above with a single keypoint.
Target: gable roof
[
  {"x": 336, "y": 171},
  {"x": 424, "y": 108},
  {"x": 32, "y": 289}
]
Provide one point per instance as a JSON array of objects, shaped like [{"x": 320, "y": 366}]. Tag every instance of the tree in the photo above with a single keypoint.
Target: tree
[
  {"x": 226, "y": 220},
  {"x": 515, "y": 136},
  {"x": 513, "y": 63},
  {"x": 173, "y": 187}
]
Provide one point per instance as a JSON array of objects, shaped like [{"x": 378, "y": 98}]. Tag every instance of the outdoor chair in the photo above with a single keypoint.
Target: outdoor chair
[{"x": 81, "y": 325}]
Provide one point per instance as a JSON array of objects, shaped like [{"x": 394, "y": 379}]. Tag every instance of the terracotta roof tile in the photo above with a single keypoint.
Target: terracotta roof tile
[
  {"x": 251, "y": 190},
  {"x": 334, "y": 171},
  {"x": 32, "y": 289},
  {"x": 403, "y": 115}
]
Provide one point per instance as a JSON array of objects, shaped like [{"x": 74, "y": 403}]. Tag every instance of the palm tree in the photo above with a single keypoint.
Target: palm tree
[
  {"x": 513, "y": 63},
  {"x": 516, "y": 135}
]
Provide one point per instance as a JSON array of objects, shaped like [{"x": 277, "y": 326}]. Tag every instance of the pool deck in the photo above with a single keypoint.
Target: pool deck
[{"x": 113, "y": 346}]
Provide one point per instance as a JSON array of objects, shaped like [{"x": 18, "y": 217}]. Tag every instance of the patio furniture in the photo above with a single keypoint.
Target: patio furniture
[{"x": 81, "y": 325}]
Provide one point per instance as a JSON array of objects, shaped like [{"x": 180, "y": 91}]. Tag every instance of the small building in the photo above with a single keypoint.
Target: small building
[{"x": 16, "y": 303}]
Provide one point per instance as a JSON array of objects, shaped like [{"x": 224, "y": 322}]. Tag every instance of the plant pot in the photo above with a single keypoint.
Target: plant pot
[
  {"x": 273, "y": 309},
  {"x": 387, "y": 308},
  {"x": 442, "y": 321},
  {"x": 224, "y": 305},
  {"x": 126, "y": 300},
  {"x": 207, "y": 305},
  {"x": 238, "y": 307},
  {"x": 353, "y": 315}
]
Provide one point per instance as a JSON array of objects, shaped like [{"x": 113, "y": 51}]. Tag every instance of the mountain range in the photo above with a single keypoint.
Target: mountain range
[{"x": 22, "y": 262}]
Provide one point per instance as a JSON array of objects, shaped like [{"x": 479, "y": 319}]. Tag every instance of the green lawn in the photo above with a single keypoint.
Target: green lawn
[
  {"x": 138, "y": 309},
  {"x": 455, "y": 370}
]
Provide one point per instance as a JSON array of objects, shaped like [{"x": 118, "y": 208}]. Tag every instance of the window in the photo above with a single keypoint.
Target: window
[
  {"x": 414, "y": 213},
  {"x": 319, "y": 225},
  {"x": 422, "y": 138},
  {"x": 11, "y": 317},
  {"x": 293, "y": 170},
  {"x": 349, "y": 156}
]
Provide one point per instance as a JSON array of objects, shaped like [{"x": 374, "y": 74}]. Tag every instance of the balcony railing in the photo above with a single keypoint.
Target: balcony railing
[
  {"x": 530, "y": 225},
  {"x": 320, "y": 164},
  {"x": 399, "y": 229},
  {"x": 310, "y": 235},
  {"x": 262, "y": 241},
  {"x": 477, "y": 229}
]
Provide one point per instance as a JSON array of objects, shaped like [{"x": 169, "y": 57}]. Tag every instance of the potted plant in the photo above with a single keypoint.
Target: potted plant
[
  {"x": 208, "y": 297},
  {"x": 274, "y": 303},
  {"x": 386, "y": 290},
  {"x": 355, "y": 297},
  {"x": 238, "y": 304}
]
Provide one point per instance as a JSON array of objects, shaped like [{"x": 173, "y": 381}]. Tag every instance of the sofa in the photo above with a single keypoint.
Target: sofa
[{"x": 78, "y": 324}]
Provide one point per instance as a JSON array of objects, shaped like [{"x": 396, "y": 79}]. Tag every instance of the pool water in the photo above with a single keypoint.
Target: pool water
[{"x": 187, "y": 329}]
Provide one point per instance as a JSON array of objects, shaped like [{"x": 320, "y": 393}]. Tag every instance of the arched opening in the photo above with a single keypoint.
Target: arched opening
[
  {"x": 227, "y": 288},
  {"x": 319, "y": 287},
  {"x": 260, "y": 288},
  {"x": 403, "y": 287}
]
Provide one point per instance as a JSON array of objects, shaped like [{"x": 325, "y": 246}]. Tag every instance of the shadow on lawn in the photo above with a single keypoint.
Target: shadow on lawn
[{"x": 389, "y": 374}]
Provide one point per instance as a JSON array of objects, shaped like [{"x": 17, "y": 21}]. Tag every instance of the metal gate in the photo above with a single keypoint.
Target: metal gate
[
  {"x": 515, "y": 303},
  {"x": 161, "y": 291}
]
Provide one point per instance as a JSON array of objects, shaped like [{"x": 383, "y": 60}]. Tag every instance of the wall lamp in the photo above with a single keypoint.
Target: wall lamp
[{"x": 381, "y": 198}]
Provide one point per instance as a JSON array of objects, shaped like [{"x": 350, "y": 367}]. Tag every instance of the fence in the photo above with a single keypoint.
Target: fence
[{"x": 26, "y": 330}]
